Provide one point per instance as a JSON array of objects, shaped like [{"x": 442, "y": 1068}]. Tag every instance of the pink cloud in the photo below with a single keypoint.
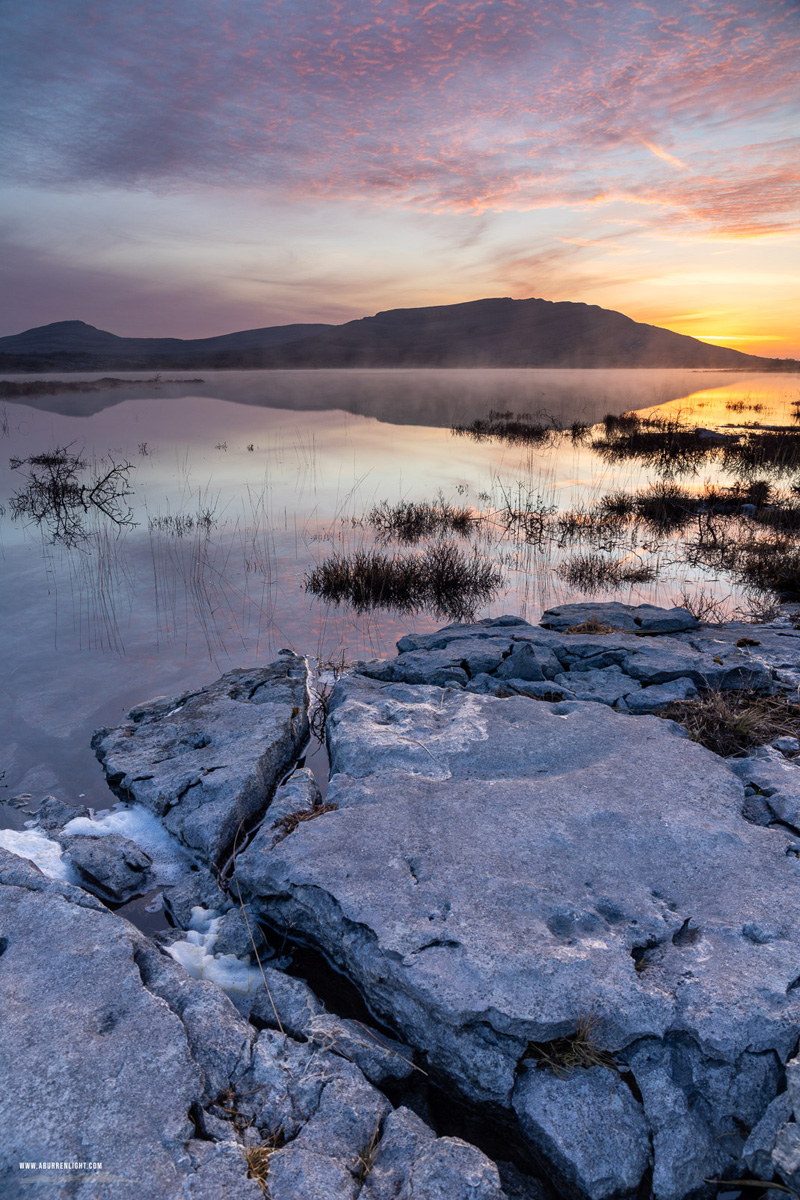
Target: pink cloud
[{"x": 463, "y": 105}]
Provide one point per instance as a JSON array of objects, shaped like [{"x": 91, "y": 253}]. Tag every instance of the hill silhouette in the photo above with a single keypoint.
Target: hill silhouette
[{"x": 486, "y": 333}]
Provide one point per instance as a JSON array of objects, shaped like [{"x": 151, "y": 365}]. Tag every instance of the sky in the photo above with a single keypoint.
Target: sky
[{"x": 197, "y": 167}]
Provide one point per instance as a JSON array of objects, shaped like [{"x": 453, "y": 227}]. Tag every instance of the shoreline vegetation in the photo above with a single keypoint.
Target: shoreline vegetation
[{"x": 12, "y": 389}]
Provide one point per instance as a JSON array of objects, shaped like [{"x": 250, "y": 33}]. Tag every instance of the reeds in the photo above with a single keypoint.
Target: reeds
[
  {"x": 517, "y": 429},
  {"x": 410, "y": 521},
  {"x": 443, "y": 580},
  {"x": 592, "y": 573}
]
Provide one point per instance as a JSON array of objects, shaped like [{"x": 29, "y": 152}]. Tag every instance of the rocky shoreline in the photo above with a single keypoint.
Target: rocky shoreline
[{"x": 533, "y": 941}]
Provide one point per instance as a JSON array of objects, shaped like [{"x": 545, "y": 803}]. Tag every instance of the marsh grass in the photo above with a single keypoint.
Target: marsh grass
[
  {"x": 592, "y": 573},
  {"x": 181, "y": 524},
  {"x": 517, "y": 429},
  {"x": 577, "y": 1050},
  {"x": 667, "y": 446},
  {"x": 411, "y": 521},
  {"x": 772, "y": 452},
  {"x": 731, "y": 723},
  {"x": 13, "y": 389},
  {"x": 443, "y": 579}
]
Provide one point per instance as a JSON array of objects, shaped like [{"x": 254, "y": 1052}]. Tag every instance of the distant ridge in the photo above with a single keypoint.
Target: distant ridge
[{"x": 479, "y": 333}]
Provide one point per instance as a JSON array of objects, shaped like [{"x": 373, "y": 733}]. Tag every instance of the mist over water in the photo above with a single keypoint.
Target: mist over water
[
  {"x": 408, "y": 397},
  {"x": 244, "y": 484}
]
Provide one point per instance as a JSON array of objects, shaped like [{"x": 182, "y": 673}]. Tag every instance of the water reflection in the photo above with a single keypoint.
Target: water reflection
[
  {"x": 236, "y": 503},
  {"x": 417, "y": 397}
]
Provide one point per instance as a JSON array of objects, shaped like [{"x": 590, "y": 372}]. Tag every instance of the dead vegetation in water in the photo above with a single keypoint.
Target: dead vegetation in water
[
  {"x": 443, "y": 580},
  {"x": 577, "y": 1050},
  {"x": 731, "y": 723},
  {"x": 58, "y": 496}
]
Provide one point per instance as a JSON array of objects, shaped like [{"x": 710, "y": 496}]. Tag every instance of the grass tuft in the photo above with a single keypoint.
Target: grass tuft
[
  {"x": 409, "y": 521},
  {"x": 443, "y": 579},
  {"x": 592, "y": 626},
  {"x": 578, "y": 1049},
  {"x": 258, "y": 1160},
  {"x": 592, "y": 573},
  {"x": 731, "y": 723}
]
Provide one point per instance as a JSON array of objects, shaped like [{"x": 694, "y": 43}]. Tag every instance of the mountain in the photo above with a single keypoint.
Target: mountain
[
  {"x": 485, "y": 333},
  {"x": 76, "y": 346}
]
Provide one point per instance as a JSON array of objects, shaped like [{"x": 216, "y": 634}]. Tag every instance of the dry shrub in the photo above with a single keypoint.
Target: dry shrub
[{"x": 731, "y": 723}]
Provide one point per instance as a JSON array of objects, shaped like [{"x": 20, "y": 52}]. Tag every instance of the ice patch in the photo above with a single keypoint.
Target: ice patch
[
  {"x": 195, "y": 954},
  {"x": 170, "y": 860},
  {"x": 40, "y": 849}
]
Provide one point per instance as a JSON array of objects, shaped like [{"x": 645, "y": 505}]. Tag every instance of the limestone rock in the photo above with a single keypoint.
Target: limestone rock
[
  {"x": 757, "y": 1153},
  {"x": 498, "y": 869},
  {"x": 412, "y": 1162},
  {"x": 95, "y": 1067},
  {"x": 599, "y": 1156},
  {"x": 651, "y": 699},
  {"x": 644, "y": 618},
  {"x": 208, "y": 762},
  {"x": 381, "y": 1059},
  {"x": 285, "y": 1003},
  {"x": 112, "y": 866}
]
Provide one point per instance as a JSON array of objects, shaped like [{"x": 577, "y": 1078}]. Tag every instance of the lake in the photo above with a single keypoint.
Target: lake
[{"x": 242, "y": 484}]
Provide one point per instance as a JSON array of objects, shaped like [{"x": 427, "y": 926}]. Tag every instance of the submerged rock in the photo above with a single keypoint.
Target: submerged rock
[
  {"x": 499, "y": 870},
  {"x": 208, "y": 762}
]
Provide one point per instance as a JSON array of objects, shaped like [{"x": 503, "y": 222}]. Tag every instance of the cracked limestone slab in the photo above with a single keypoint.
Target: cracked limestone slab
[
  {"x": 95, "y": 1066},
  {"x": 207, "y": 762},
  {"x": 498, "y": 869},
  {"x": 111, "y": 1053}
]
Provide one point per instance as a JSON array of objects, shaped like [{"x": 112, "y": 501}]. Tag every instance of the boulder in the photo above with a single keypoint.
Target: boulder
[
  {"x": 597, "y": 1158},
  {"x": 651, "y": 699},
  {"x": 208, "y": 762},
  {"x": 605, "y": 686},
  {"x": 95, "y": 1068},
  {"x": 497, "y": 871}
]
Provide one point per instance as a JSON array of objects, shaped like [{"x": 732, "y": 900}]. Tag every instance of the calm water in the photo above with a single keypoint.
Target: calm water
[{"x": 283, "y": 465}]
